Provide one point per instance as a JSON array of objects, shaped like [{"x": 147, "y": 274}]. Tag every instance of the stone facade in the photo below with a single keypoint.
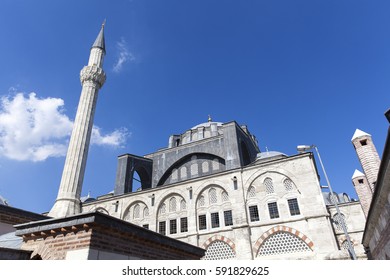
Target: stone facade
[
  {"x": 363, "y": 190},
  {"x": 250, "y": 206}
]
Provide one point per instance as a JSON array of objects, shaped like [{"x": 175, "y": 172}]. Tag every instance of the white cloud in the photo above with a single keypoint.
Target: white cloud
[
  {"x": 34, "y": 129},
  {"x": 124, "y": 55},
  {"x": 116, "y": 138}
]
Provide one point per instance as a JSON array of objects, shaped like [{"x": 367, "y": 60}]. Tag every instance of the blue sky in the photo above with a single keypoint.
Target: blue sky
[{"x": 296, "y": 72}]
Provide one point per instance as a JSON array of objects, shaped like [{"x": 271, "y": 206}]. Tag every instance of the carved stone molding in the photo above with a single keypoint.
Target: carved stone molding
[{"x": 93, "y": 74}]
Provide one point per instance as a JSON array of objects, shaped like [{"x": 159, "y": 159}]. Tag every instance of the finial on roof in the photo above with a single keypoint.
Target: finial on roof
[
  {"x": 99, "y": 42},
  {"x": 357, "y": 173},
  {"x": 209, "y": 119}
]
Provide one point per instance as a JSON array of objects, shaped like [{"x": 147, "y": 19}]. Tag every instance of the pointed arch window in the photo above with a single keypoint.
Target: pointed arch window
[
  {"x": 137, "y": 210},
  {"x": 269, "y": 185},
  {"x": 213, "y": 196},
  {"x": 172, "y": 204}
]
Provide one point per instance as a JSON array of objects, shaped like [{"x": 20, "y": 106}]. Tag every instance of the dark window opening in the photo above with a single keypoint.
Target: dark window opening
[
  {"x": 254, "y": 213},
  {"x": 146, "y": 226},
  {"x": 361, "y": 181},
  {"x": 273, "y": 210},
  {"x": 172, "y": 227},
  {"x": 363, "y": 142},
  {"x": 183, "y": 224},
  {"x": 202, "y": 222},
  {"x": 228, "y": 217},
  {"x": 162, "y": 228},
  {"x": 294, "y": 207},
  {"x": 214, "y": 220}
]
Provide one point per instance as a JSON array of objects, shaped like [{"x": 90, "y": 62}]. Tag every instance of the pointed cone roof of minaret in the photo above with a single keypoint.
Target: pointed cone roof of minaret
[
  {"x": 357, "y": 173},
  {"x": 99, "y": 42},
  {"x": 358, "y": 133}
]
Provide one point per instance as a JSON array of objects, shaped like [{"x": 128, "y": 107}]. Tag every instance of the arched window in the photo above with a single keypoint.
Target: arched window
[
  {"x": 288, "y": 185},
  {"x": 219, "y": 250},
  {"x": 172, "y": 204},
  {"x": 338, "y": 220},
  {"x": 183, "y": 205},
  {"x": 137, "y": 210},
  {"x": 146, "y": 212},
  {"x": 213, "y": 196},
  {"x": 269, "y": 185},
  {"x": 201, "y": 201},
  {"x": 252, "y": 192},
  {"x": 225, "y": 196},
  {"x": 163, "y": 208},
  {"x": 282, "y": 243}
]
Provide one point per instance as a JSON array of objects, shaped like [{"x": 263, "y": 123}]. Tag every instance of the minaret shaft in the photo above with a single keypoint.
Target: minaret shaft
[{"x": 92, "y": 78}]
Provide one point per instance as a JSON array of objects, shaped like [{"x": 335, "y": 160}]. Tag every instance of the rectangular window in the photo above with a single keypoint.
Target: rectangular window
[
  {"x": 183, "y": 224},
  {"x": 273, "y": 210},
  {"x": 162, "y": 228},
  {"x": 294, "y": 207},
  {"x": 202, "y": 222},
  {"x": 254, "y": 213},
  {"x": 214, "y": 220},
  {"x": 146, "y": 226},
  {"x": 172, "y": 226},
  {"x": 228, "y": 217}
]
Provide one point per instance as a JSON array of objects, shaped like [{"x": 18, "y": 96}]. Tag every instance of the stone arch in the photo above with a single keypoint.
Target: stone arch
[
  {"x": 204, "y": 191},
  {"x": 222, "y": 238},
  {"x": 219, "y": 247},
  {"x": 142, "y": 205},
  {"x": 277, "y": 229},
  {"x": 102, "y": 210},
  {"x": 168, "y": 195},
  {"x": 263, "y": 172}
]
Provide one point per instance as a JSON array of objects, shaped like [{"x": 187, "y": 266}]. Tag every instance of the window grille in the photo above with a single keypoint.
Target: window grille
[
  {"x": 273, "y": 210},
  {"x": 162, "y": 228},
  {"x": 201, "y": 201},
  {"x": 254, "y": 213},
  {"x": 137, "y": 210},
  {"x": 338, "y": 220},
  {"x": 163, "y": 208},
  {"x": 146, "y": 212},
  {"x": 283, "y": 243},
  {"x": 172, "y": 226},
  {"x": 215, "y": 220},
  {"x": 202, "y": 222},
  {"x": 269, "y": 186},
  {"x": 172, "y": 204},
  {"x": 183, "y": 205},
  {"x": 219, "y": 250},
  {"x": 293, "y": 206},
  {"x": 288, "y": 185},
  {"x": 228, "y": 217},
  {"x": 183, "y": 224},
  {"x": 225, "y": 196},
  {"x": 213, "y": 196},
  {"x": 252, "y": 192}
]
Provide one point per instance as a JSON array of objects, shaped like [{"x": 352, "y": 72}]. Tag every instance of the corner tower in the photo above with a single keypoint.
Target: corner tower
[
  {"x": 368, "y": 155},
  {"x": 92, "y": 78}
]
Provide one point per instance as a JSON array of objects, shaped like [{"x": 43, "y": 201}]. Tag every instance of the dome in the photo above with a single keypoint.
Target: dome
[
  {"x": 270, "y": 154},
  {"x": 207, "y": 124}
]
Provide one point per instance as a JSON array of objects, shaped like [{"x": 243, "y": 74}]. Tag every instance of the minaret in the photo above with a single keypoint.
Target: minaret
[
  {"x": 92, "y": 78},
  {"x": 368, "y": 156},
  {"x": 363, "y": 190}
]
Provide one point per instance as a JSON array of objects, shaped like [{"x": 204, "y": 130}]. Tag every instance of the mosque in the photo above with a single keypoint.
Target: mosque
[{"x": 210, "y": 194}]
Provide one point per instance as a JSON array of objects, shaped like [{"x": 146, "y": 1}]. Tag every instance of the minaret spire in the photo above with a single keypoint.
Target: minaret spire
[{"x": 92, "y": 78}]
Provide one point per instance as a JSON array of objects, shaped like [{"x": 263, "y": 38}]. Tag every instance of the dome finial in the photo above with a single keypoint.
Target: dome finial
[{"x": 209, "y": 119}]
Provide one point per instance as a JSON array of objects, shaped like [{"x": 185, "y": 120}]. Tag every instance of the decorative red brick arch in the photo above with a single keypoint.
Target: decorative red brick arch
[
  {"x": 219, "y": 238},
  {"x": 276, "y": 229}
]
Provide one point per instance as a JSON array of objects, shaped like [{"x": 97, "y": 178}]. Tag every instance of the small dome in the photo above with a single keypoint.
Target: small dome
[
  {"x": 270, "y": 154},
  {"x": 3, "y": 201}
]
